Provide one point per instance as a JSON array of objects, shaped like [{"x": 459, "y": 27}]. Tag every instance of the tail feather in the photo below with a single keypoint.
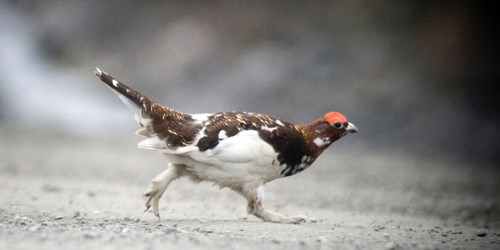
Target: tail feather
[
  {"x": 145, "y": 110},
  {"x": 133, "y": 99}
]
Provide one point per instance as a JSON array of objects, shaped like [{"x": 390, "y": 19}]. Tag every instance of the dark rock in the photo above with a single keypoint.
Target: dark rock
[{"x": 481, "y": 232}]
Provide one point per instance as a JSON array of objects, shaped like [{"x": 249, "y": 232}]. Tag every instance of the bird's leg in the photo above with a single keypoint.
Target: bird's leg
[
  {"x": 158, "y": 186},
  {"x": 255, "y": 198}
]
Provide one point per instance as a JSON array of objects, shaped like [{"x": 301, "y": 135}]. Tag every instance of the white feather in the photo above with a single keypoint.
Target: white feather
[
  {"x": 321, "y": 141},
  {"x": 130, "y": 104},
  {"x": 222, "y": 135},
  {"x": 201, "y": 117},
  {"x": 143, "y": 132},
  {"x": 242, "y": 158},
  {"x": 270, "y": 129},
  {"x": 152, "y": 143}
]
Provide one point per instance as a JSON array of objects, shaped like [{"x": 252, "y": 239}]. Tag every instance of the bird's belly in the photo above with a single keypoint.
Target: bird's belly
[
  {"x": 236, "y": 174},
  {"x": 229, "y": 174},
  {"x": 242, "y": 159}
]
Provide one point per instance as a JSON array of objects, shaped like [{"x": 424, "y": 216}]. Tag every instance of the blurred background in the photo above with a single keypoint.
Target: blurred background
[{"x": 416, "y": 77}]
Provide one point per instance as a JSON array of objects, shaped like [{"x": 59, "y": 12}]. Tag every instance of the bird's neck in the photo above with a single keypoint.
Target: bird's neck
[{"x": 317, "y": 136}]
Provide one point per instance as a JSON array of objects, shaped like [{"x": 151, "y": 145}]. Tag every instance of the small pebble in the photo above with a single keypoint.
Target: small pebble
[
  {"x": 50, "y": 188},
  {"x": 34, "y": 228},
  {"x": 481, "y": 232},
  {"x": 168, "y": 230},
  {"x": 321, "y": 239},
  {"x": 390, "y": 245},
  {"x": 89, "y": 236}
]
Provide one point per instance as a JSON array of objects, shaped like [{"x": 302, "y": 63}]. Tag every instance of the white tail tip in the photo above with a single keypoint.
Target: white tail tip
[{"x": 98, "y": 72}]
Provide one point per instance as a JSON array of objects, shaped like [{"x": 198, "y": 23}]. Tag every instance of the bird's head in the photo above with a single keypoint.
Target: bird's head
[
  {"x": 329, "y": 128},
  {"x": 340, "y": 123}
]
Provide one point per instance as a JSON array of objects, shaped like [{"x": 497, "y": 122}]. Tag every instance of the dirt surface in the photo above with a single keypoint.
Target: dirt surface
[{"x": 60, "y": 192}]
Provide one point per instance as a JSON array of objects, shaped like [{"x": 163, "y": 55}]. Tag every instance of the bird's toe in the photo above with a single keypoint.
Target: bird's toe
[
  {"x": 151, "y": 193},
  {"x": 297, "y": 219}
]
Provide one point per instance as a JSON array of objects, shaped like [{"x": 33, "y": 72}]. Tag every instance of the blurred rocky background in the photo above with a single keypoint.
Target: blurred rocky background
[{"x": 416, "y": 77}]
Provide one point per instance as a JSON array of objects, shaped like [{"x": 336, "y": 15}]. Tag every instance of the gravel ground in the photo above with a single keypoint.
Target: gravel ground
[{"x": 64, "y": 192}]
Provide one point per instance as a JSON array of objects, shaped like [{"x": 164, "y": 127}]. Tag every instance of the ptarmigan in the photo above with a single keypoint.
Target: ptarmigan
[{"x": 238, "y": 150}]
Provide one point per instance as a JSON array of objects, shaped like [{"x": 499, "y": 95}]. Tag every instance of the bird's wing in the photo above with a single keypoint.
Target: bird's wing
[
  {"x": 224, "y": 138},
  {"x": 246, "y": 146}
]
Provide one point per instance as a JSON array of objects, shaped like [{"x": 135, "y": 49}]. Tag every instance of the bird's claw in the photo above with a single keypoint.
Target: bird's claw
[{"x": 152, "y": 202}]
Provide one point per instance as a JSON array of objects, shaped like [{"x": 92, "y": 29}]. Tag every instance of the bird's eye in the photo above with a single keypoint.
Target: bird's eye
[{"x": 337, "y": 124}]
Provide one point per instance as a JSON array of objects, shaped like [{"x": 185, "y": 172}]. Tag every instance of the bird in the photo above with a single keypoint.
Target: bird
[{"x": 241, "y": 151}]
